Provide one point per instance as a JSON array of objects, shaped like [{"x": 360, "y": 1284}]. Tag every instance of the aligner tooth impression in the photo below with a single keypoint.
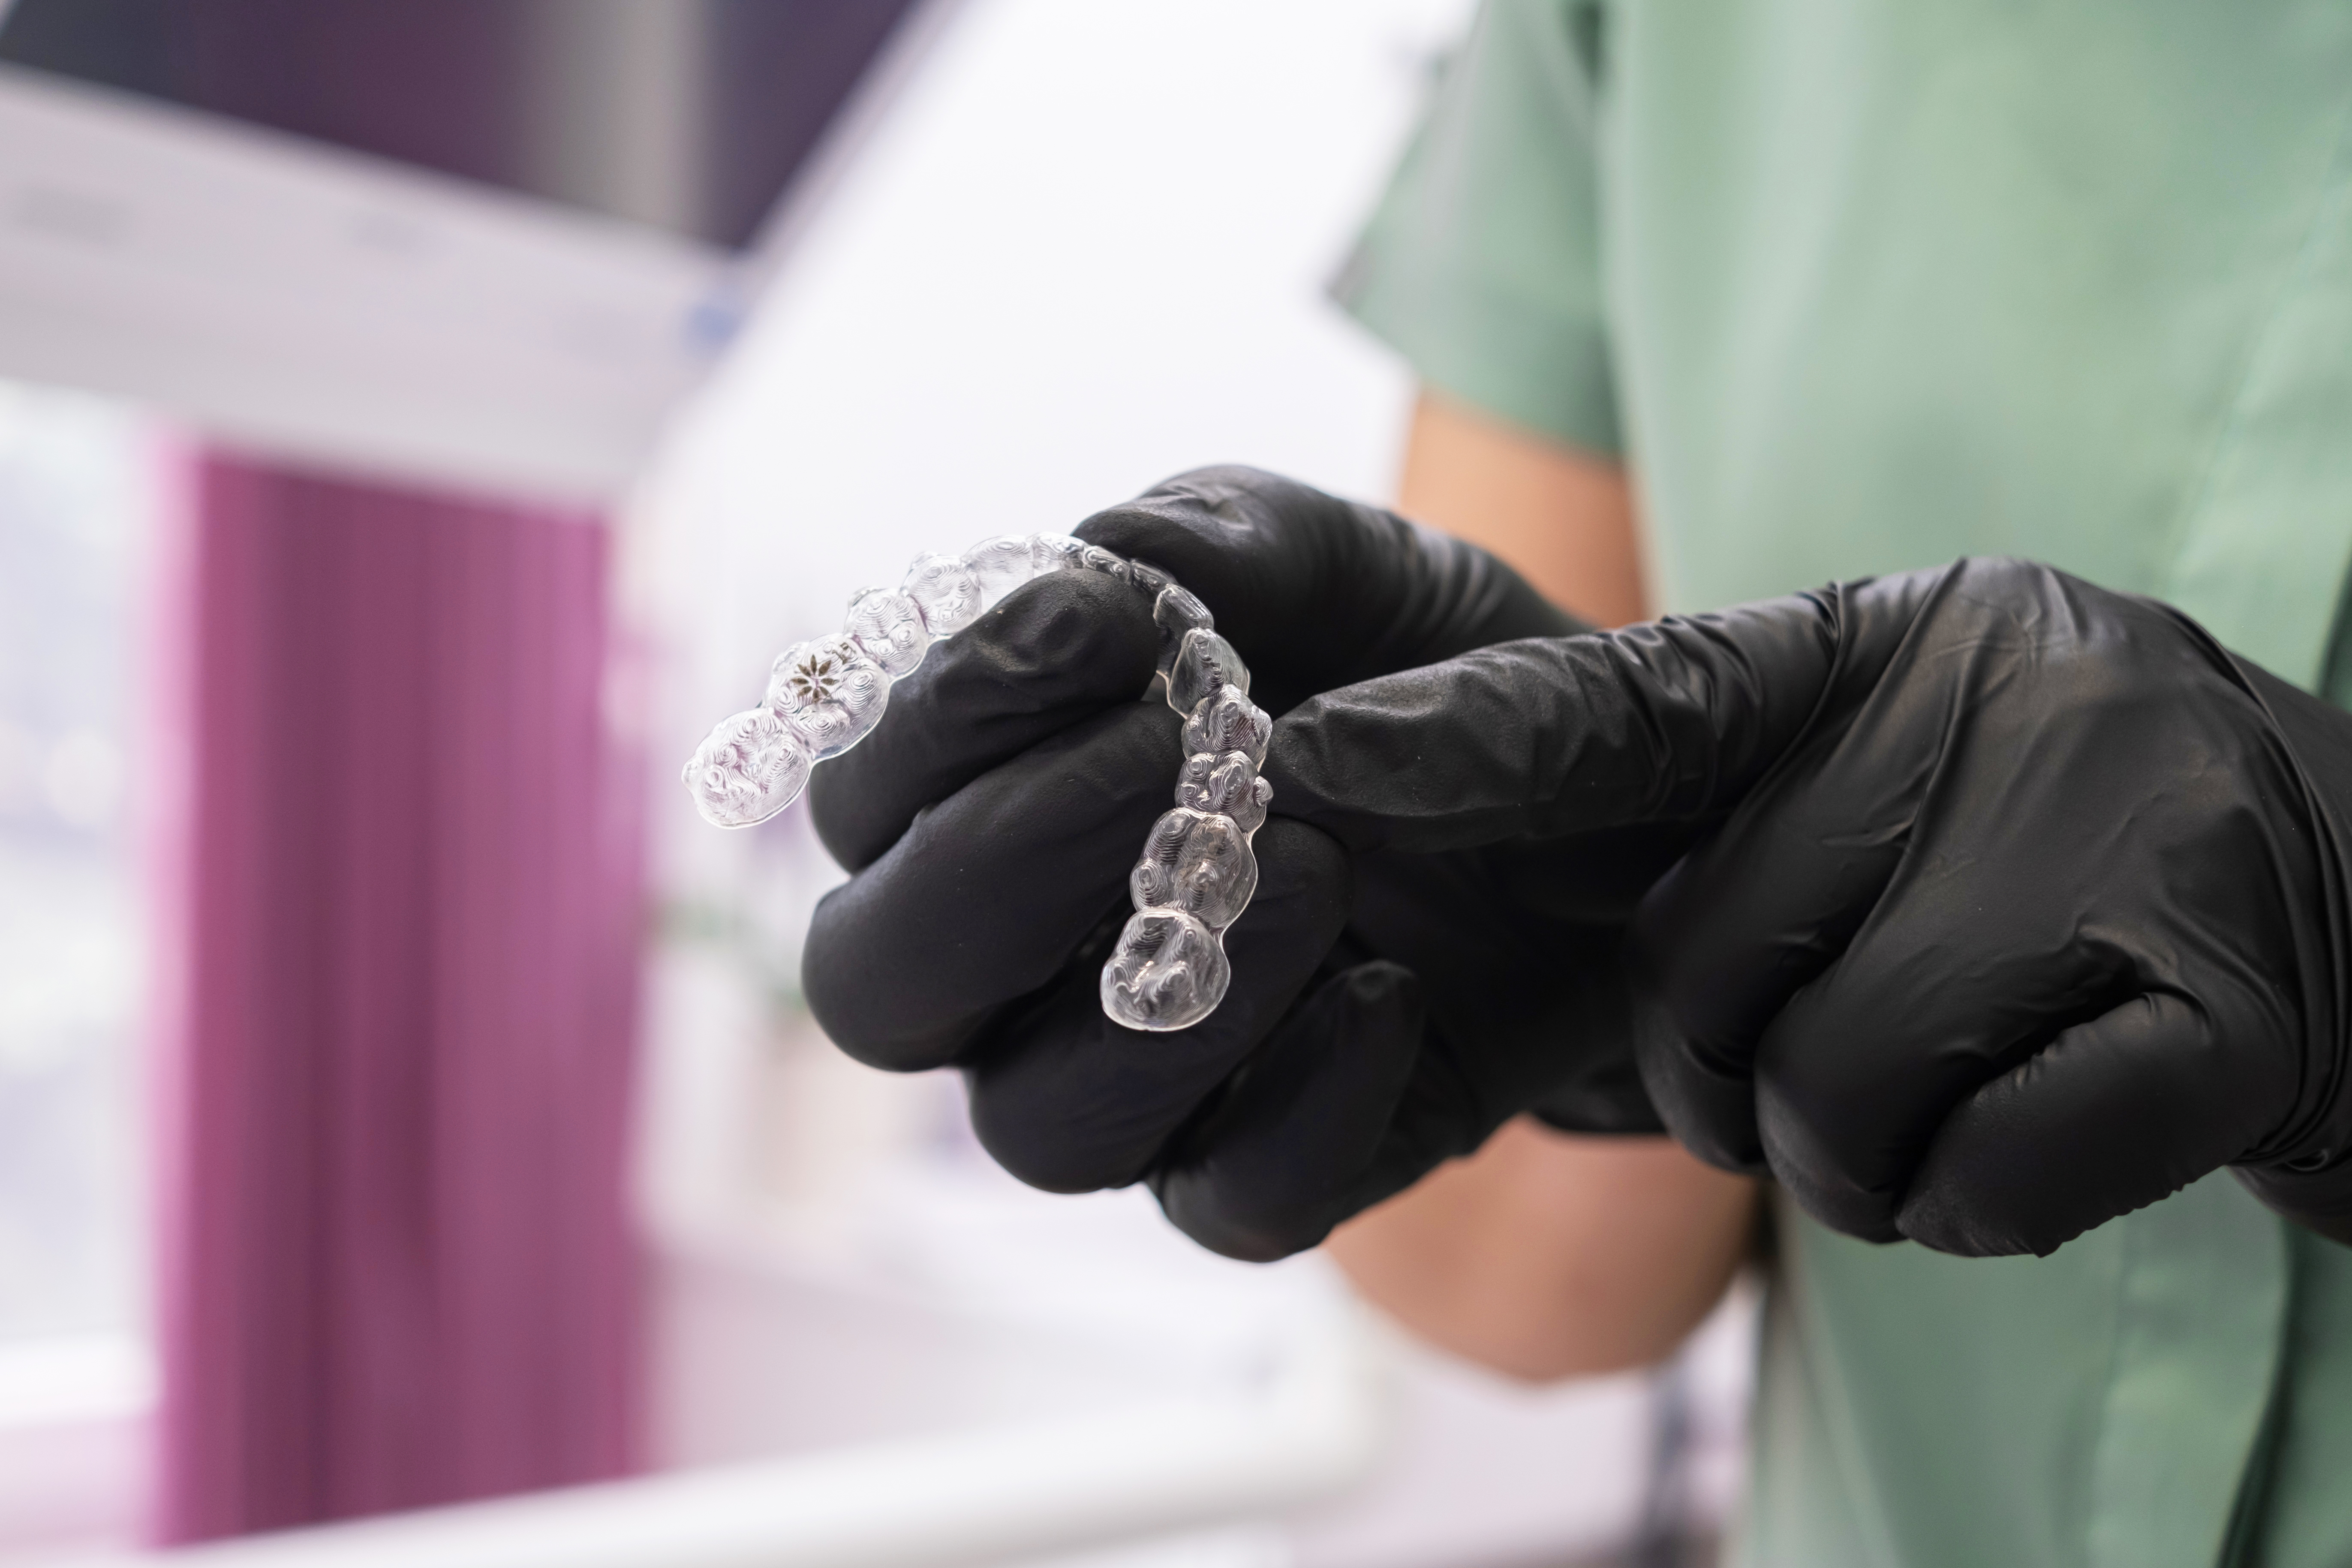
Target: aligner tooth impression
[{"x": 1197, "y": 873}]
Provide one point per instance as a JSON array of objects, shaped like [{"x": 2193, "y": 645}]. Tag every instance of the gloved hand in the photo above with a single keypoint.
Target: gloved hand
[
  {"x": 2028, "y": 907},
  {"x": 1387, "y": 1012}
]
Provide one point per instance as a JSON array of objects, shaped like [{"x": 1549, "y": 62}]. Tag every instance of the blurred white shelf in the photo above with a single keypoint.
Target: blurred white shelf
[
  {"x": 48, "y": 1382},
  {"x": 322, "y": 304},
  {"x": 1314, "y": 1424}
]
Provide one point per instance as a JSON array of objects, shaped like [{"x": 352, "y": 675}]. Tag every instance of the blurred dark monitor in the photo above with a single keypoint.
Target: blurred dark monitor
[{"x": 690, "y": 115}]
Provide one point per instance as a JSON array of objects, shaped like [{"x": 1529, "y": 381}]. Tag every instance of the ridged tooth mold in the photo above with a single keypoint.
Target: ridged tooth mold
[{"x": 1198, "y": 871}]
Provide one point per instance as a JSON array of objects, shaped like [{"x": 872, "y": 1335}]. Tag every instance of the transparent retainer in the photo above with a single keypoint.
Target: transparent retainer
[{"x": 1197, "y": 873}]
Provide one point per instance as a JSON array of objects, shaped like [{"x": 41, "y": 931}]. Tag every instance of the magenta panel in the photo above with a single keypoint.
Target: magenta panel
[{"x": 397, "y": 1263}]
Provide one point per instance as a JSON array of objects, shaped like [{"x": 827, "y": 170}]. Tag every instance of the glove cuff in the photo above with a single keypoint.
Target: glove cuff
[
  {"x": 2318, "y": 1200},
  {"x": 1611, "y": 1106}
]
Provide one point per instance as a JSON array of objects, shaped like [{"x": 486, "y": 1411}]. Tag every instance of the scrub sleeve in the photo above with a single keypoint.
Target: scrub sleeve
[
  {"x": 1479, "y": 265},
  {"x": 1862, "y": 289}
]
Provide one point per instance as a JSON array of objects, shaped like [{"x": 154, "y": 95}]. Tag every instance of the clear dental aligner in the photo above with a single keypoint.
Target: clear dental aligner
[{"x": 1197, "y": 872}]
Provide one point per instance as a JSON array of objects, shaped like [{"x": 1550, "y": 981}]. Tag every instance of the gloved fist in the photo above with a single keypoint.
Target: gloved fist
[
  {"x": 2042, "y": 919},
  {"x": 1387, "y": 1011},
  {"x": 2025, "y": 905}
]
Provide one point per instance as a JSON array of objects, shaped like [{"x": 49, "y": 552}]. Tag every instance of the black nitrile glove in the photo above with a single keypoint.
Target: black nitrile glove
[
  {"x": 2027, "y": 906},
  {"x": 1387, "y": 1011}
]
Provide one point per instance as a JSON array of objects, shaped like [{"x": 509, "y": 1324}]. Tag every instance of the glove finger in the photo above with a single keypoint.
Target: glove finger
[
  {"x": 1443, "y": 1112},
  {"x": 1666, "y": 723},
  {"x": 984, "y": 897},
  {"x": 2114, "y": 1114},
  {"x": 1520, "y": 968},
  {"x": 1069, "y": 1102},
  {"x": 1960, "y": 970},
  {"x": 1726, "y": 941},
  {"x": 1057, "y": 650},
  {"x": 1730, "y": 936},
  {"x": 1535, "y": 1004},
  {"x": 2028, "y": 900},
  {"x": 1851, "y": 1082},
  {"x": 1318, "y": 592},
  {"x": 1280, "y": 1160}
]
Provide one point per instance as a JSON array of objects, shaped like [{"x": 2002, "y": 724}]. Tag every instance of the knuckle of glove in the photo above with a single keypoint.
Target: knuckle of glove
[
  {"x": 1291, "y": 1147},
  {"x": 1058, "y": 650},
  {"x": 1068, "y": 1101},
  {"x": 986, "y": 895}
]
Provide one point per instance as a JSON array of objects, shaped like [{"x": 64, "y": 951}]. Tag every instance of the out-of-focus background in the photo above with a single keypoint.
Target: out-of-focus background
[{"x": 420, "y": 422}]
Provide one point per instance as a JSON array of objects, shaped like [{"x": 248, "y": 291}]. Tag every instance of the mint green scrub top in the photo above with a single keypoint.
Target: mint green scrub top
[{"x": 1854, "y": 287}]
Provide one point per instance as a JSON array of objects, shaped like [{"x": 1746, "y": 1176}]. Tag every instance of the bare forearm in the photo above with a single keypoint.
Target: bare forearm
[
  {"x": 1563, "y": 519},
  {"x": 1544, "y": 1256}
]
